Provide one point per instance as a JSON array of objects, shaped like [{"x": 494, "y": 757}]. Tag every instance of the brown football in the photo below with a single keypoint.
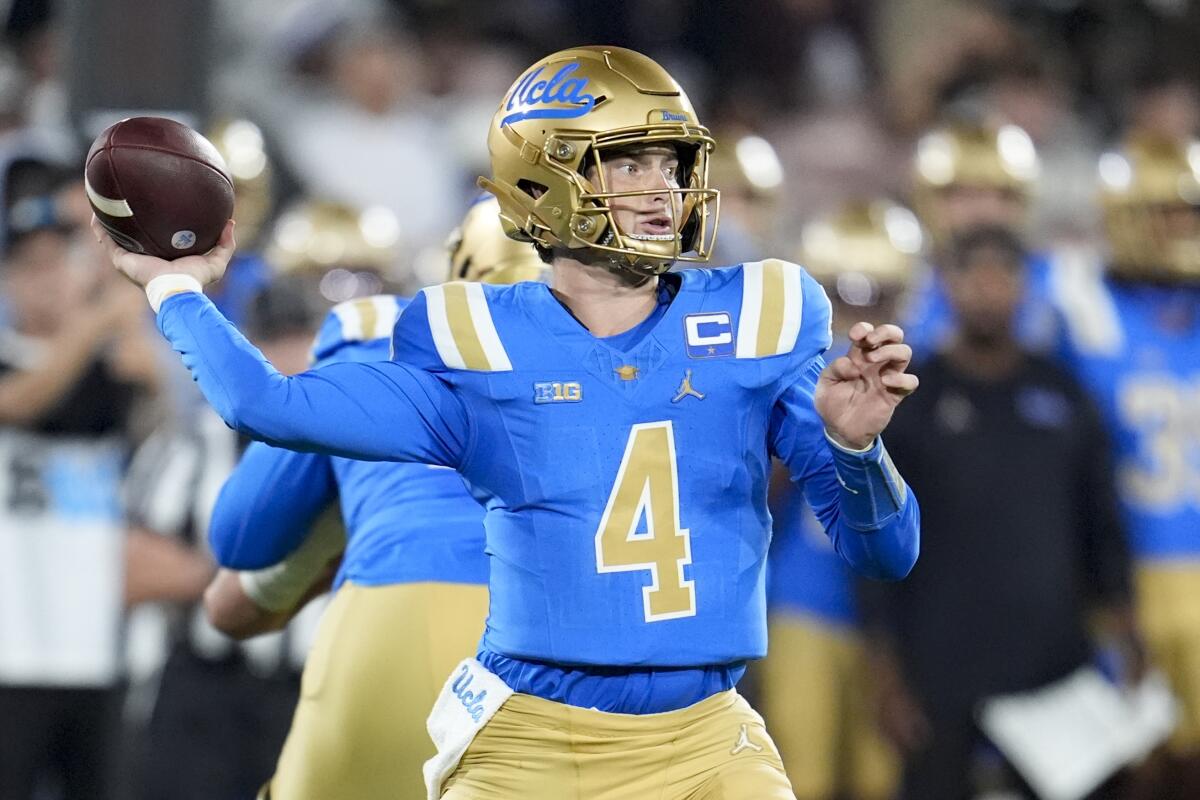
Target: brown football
[{"x": 158, "y": 187}]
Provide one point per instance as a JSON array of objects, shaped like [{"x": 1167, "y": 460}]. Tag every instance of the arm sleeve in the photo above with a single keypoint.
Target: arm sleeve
[
  {"x": 866, "y": 508},
  {"x": 385, "y": 411},
  {"x": 1105, "y": 547},
  {"x": 268, "y": 505}
]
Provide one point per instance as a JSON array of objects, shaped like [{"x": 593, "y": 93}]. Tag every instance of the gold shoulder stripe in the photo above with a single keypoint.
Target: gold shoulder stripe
[
  {"x": 769, "y": 321},
  {"x": 463, "y": 330}
]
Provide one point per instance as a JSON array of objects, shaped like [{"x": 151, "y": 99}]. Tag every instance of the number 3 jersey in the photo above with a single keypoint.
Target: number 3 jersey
[
  {"x": 1137, "y": 348},
  {"x": 625, "y": 487}
]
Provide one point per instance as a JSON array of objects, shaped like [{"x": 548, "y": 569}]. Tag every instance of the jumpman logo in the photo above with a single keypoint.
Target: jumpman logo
[
  {"x": 686, "y": 390},
  {"x": 744, "y": 743}
]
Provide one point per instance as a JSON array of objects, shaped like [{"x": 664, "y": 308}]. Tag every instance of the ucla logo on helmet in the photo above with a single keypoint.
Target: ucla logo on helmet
[{"x": 559, "y": 97}]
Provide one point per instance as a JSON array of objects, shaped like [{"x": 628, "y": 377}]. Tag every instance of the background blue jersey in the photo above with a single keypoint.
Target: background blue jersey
[
  {"x": 1137, "y": 349},
  {"x": 625, "y": 489},
  {"x": 405, "y": 523},
  {"x": 805, "y": 575},
  {"x": 928, "y": 320}
]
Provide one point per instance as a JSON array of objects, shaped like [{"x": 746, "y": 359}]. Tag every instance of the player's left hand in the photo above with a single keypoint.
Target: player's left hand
[{"x": 857, "y": 393}]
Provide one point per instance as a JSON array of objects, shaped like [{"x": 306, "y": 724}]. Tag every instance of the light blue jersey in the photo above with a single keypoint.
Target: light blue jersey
[
  {"x": 405, "y": 523},
  {"x": 805, "y": 576},
  {"x": 1137, "y": 349},
  {"x": 625, "y": 486}
]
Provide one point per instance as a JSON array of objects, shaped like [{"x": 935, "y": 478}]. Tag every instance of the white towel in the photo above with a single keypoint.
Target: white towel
[{"x": 471, "y": 695}]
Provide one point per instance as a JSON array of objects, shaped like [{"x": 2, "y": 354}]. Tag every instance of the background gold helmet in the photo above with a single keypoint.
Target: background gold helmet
[
  {"x": 480, "y": 250},
  {"x": 1150, "y": 194},
  {"x": 240, "y": 143},
  {"x": 863, "y": 251},
  {"x": 961, "y": 155},
  {"x": 349, "y": 251},
  {"x": 562, "y": 115}
]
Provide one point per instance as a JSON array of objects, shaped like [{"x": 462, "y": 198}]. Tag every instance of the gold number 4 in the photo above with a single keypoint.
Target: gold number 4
[{"x": 648, "y": 480}]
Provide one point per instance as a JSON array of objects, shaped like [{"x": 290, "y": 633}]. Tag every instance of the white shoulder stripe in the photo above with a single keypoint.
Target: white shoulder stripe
[
  {"x": 439, "y": 326},
  {"x": 485, "y": 329},
  {"x": 772, "y": 308},
  {"x": 351, "y": 321},
  {"x": 793, "y": 309},
  {"x": 752, "y": 292},
  {"x": 463, "y": 329},
  {"x": 1087, "y": 307}
]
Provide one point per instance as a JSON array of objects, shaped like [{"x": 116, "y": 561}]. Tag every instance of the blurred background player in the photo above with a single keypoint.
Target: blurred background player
[
  {"x": 965, "y": 176},
  {"x": 1134, "y": 341},
  {"x": 1022, "y": 540},
  {"x": 410, "y": 593},
  {"x": 72, "y": 377},
  {"x": 815, "y": 692},
  {"x": 747, "y": 172}
]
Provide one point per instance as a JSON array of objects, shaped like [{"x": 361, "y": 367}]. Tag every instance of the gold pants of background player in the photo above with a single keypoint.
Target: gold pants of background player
[
  {"x": 379, "y": 661},
  {"x": 816, "y": 698},
  {"x": 535, "y": 749},
  {"x": 1168, "y": 606}
]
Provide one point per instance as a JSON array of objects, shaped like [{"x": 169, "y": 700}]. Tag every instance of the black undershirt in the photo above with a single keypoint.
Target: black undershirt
[{"x": 1020, "y": 532}]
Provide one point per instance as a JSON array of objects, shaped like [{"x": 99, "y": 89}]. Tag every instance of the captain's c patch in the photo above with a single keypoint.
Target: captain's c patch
[{"x": 709, "y": 335}]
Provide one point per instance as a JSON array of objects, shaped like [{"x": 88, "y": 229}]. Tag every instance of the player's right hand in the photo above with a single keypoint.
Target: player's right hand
[{"x": 141, "y": 269}]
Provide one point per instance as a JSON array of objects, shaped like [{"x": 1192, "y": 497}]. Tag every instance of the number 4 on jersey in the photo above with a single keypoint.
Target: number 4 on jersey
[{"x": 648, "y": 481}]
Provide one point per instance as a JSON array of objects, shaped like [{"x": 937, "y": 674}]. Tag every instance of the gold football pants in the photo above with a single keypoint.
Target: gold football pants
[
  {"x": 379, "y": 661},
  {"x": 535, "y": 749},
  {"x": 815, "y": 696},
  {"x": 1168, "y": 600}
]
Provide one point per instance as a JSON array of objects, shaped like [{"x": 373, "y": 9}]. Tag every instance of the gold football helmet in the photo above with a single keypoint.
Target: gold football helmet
[
  {"x": 316, "y": 235},
  {"x": 997, "y": 157},
  {"x": 480, "y": 250},
  {"x": 240, "y": 143},
  {"x": 562, "y": 116},
  {"x": 863, "y": 251},
  {"x": 1150, "y": 194}
]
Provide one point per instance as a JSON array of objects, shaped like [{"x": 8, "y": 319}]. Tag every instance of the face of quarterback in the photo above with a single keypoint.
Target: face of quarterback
[{"x": 656, "y": 216}]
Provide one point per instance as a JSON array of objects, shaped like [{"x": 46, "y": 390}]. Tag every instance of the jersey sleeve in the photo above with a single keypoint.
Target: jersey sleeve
[
  {"x": 784, "y": 312},
  {"x": 866, "y": 508},
  {"x": 268, "y": 505},
  {"x": 384, "y": 411}
]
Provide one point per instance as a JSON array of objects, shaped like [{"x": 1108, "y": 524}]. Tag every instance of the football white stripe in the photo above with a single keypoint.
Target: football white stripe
[
  {"x": 793, "y": 309},
  {"x": 485, "y": 329},
  {"x": 110, "y": 206},
  {"x": 752, "y": 299},
  {"x": 439, "y": 326}
]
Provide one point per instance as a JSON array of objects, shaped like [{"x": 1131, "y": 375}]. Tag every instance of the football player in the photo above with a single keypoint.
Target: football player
[
  {"x": 411, "y": 586},
  {"x": 967, "y": 176},
  {"x": 815, "y": 693},
  {"x": 619, "y": 427},
  {"x": 1134, "y": 340}
]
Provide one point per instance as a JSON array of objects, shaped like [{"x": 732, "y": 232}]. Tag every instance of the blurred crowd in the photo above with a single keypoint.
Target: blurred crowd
[{"x": 1017, "y": 183}]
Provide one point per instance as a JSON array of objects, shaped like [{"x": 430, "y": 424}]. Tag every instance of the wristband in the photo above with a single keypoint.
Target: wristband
[
  {"x": 162, "y": 287},
  {"x": 280, "y": 587},
  {"x": 872, "y": 489}
]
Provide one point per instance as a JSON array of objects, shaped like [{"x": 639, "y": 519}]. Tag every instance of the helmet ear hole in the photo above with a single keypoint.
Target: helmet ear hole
[{"x": 532, "y": 188}]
